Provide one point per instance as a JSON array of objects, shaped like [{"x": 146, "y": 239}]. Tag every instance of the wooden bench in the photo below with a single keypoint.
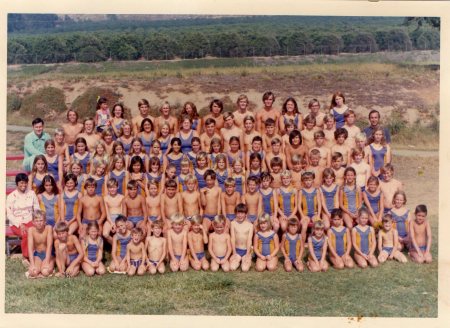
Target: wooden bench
[{"x": 12, "y": 240}]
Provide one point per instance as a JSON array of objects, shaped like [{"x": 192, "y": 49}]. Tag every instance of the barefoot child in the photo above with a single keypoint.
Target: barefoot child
[
  {"x": 374, "y": 201},
  {"x": 171, "y": 202},
  {"x": 265, "y": 245},
  {"x": 40, "y": 242},
  {"x": 388, "y": 186},
  {"x": 191, "y": 198},
  {"x": 292, "y": 247},
  {"x": 90, "y": 209},
  {"x": 219, "y": 245},
  {"x": 153, "y": 203},
  {"x": 177, "y": 244},
  {"x": 241, "y": 240},
  {"x": 69, "y": 253},
  {"x": 93, "y": 251},
  {"x": 363, "y": 240},
  {"x": 317, "y": 244},
  {"x": 120, "y": 241},
  {"x": 388, "y": 242},
  {"x": 136, "y": 253},
  {"x": 156, "y": 247},
  {"x": 134, "y": 207},
  {"x": 209, "y": 198},
  {"x": 113, "y": 206},
  {"x": 420, "y": 233},
  {"x": 197, "y": 238},
  {"x": 339, "y": 242}
]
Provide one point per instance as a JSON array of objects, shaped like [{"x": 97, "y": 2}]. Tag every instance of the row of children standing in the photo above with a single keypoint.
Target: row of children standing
[{"x": 303, "y": 172}]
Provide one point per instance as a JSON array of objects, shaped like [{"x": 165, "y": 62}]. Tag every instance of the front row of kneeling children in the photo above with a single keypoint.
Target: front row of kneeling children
[{"x": 229, "y": 247}]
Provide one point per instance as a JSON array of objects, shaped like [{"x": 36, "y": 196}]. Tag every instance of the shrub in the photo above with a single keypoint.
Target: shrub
[
  {"x": 13, "y": 102},
  {"x": 46, "y": 103}
]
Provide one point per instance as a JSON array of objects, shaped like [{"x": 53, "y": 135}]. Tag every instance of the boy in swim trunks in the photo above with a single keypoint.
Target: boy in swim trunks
[
  {"x": 241, "y": 240},
  {"x": 219, "y": 245},
  {"x": 119, "y": 244},
  {"x": 389, "y": 186},
  {"x": 388, "y": 242},
  {"x": 171, "y": 202},
  {"x": 91, "y": 208},
  {"x": 177, "y": 243},
  {"x": 136, "y": 253},
  {"x": 134, "y": 208},
  {"x": 156, "y": 246},
  {"x": 40, "y": 242},
  {"x": 420, "y": 232},
  {"x": 209, "y": 198},
  {"x": 69, "y": 252},
  {"x": 191, "y": 198},
  {"x": 252, "y": 198},
  {"x": 197, "y": 238},
  {"x": 153, "y": 203},
  {"x": 338, "y": 169},
  {"x": 292, "y": 246},
  {"x": 229, "y": 199},
  {"x": 113, "y": 206}
]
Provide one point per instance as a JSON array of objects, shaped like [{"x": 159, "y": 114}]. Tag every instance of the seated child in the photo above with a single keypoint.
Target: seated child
[
  {"x": 197, "y": 238},
  {"x": 388, "y": 242},
  {"x": 136, "y": 253},
  {"x": 241, "y": 232},
  {"x": 69, "y": 252},
  {"x": 292, "y": 246},
  {"x": 401, "y": 219},
  {"x": 374, "y": 201},
  {"x": 119, "y": 246},
  {"x": 363, "y": 240},
  {"x": 265, "y": 245},
  {"x": 317, "y": 244},
  {"x": 156, "y": 247},
  {"x": 339, "y": 242},
  {"x": 40, "y": 242},
  {"x": 219, "y": 245},
  {"x": 93, "y": 251},
  {"x": 420, "y": 233},
  {"x": 177, "y": 244}
]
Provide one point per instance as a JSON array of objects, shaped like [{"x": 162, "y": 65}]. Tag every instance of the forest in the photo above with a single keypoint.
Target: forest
[{"x": 48, "y": 38}]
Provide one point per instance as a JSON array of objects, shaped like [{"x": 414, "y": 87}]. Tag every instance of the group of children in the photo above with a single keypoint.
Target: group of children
[{"x": 245, "y": 184}]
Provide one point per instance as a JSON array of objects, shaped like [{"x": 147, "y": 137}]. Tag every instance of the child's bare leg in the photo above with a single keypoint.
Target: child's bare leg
[
  {"x": 73, "y": 270},
  {"x": 107, "y": 231},
  {"x": 214, "y": 265},
  {"x": 205, "y": 264},
  {"x": 161, "y": 268},
  {"x": 299, "y": 265},
  {"x": 141, "y": 270},
  {"x": 246, "y": 263},
  {"x": 88, "y": 269},
  {"x": 73, "y": 227},
  {"x": 288, "y": 265},
  {"x": 337, "y": 262},
  {"x": 131, "y": 270},
  {"x": 360, "y": 261},
  {"x": 382, "y": 257},
  {"x": 312, "y": 266},
  {"x": 235, "y": 260},
  {"x": 151, "y": 268},
  {"x": 428, "y": 258},
  {"x": 35, "y": 269},
  {"x": 373, "y": 261},
  {"x": 47, "y": 268},
  {"x": 174, "y": 265},
  {"x": 61, "y": 259},
  {"x": 416, "y": 257},
  {"x": 399, "y": 256},
  {"x": 184, "y": 264},
  {"x": 225, "y": 266},
  {"x": 260, "y": 265},
  {"x": 304, "y": 227},
  {"x": 195, "y": 264},
  {"x": 348, "y": 261},
  {"x": 272, "y": 264},
  {"x": 347, "y": 220},
  {"x": 100, "y": 269},
  {"x": 324, "y": 267}
]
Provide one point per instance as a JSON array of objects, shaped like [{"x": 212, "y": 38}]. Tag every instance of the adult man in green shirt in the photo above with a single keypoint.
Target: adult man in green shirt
[{"x": 34, "y": 143}]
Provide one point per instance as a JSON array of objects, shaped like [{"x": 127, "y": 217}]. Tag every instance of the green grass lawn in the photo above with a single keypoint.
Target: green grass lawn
[{"x": 391, "y": 290}]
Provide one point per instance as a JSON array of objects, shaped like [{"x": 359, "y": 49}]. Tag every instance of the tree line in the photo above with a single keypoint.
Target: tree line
[{"x": 236, "y": 39}]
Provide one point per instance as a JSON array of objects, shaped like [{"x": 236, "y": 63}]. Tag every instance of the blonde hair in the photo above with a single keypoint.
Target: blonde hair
[
  {"x": 219, "y": 219},
  {"x": 196, "y": 219},
  {"x": 190, "y": 178},
  {"x": 177, "y": 218},
  {"x": 264, "y": 218},
  {"x": 286, "y": 174}
]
